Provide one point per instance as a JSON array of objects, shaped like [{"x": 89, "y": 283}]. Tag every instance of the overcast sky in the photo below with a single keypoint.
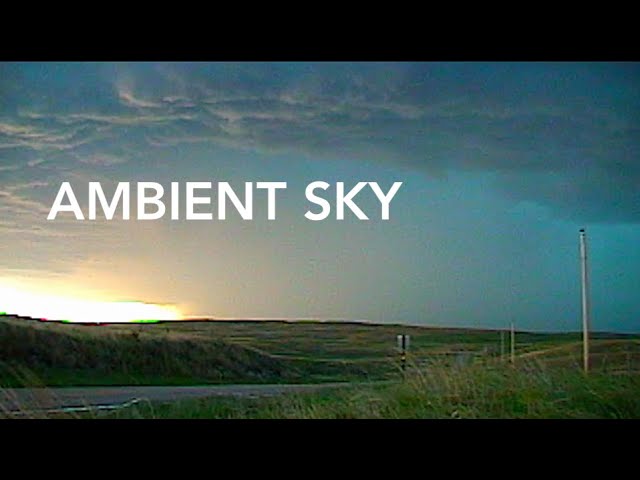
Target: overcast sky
[{"x": 501, "y": 165}]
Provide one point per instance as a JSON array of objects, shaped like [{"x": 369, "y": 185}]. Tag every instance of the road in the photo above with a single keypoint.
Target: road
[{"x": 73, "y": 399}]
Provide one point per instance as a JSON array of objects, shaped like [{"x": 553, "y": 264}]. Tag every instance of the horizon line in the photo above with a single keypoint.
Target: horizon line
[{"x": 309, "y": 320}]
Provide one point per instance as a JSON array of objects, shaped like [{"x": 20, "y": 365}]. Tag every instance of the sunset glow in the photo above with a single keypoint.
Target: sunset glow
[{"x": 19, "y": 301}]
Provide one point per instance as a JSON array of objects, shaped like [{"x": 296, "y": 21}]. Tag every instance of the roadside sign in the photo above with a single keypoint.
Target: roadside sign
[
  {"x": 403, "y": 342},
  {"x": 403, "y": 347}
]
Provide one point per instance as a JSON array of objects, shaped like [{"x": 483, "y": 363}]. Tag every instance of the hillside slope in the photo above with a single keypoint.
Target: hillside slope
[{"x": 32, "y": 353}]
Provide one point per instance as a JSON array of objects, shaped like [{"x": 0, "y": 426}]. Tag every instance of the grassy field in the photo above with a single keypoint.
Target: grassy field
[
  {"x": 187, "y": 353},
  {"x": 441, "y": 381}
]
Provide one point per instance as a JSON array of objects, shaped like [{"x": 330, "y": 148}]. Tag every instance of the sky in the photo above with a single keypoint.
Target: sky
[{"x": 501, "y": 164}]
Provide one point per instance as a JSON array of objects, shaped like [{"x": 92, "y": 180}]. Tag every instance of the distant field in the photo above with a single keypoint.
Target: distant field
[{"x": 48, "y": 353}]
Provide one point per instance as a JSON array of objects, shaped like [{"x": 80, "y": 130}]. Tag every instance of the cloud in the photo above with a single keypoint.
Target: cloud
[
  {"x": 13, "y": 201},
  {"x": 130, "y": 100},
  {"x": 9, "y": 168},
  {"x": 28, "y": 185},
  {"x": 102, "y": 159},
  {"x": 35, "y": 162},
  {"x": 40, "y": 137},
  {"x": 565, "y": 136}
]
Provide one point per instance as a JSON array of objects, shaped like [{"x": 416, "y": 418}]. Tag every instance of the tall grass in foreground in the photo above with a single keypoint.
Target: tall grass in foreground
[{"x": 439, "y": 391}]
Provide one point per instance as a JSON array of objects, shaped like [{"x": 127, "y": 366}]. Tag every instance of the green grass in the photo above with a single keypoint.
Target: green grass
[
  {"x": 545, "y": 382},
  {"x": 36, "y": 354},
  {"x": 211, "y": 352},
  {"x": 441, "y": 392}
]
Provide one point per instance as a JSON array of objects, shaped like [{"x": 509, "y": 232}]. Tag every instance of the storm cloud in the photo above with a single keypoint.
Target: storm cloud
[{"x": 564, "y": 136}]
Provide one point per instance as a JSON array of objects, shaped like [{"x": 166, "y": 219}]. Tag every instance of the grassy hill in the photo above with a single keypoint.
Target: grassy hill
[{"x": 52, "y": 354}]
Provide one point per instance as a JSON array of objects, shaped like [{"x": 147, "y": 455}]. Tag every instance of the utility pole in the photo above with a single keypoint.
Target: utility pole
[
  {"x": 501, "y": 344},
  {"x": 513, "y": 344},
  {"x": 585, "y": 300}
]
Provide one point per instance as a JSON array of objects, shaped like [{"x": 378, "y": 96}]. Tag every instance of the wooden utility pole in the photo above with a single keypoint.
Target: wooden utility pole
[
  {"x": 586, "y": 321},
  {"x": 513, "y": 344}
]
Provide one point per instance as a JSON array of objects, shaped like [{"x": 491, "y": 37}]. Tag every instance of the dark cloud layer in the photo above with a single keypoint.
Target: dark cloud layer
[{"x": 565, "y": 136}]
